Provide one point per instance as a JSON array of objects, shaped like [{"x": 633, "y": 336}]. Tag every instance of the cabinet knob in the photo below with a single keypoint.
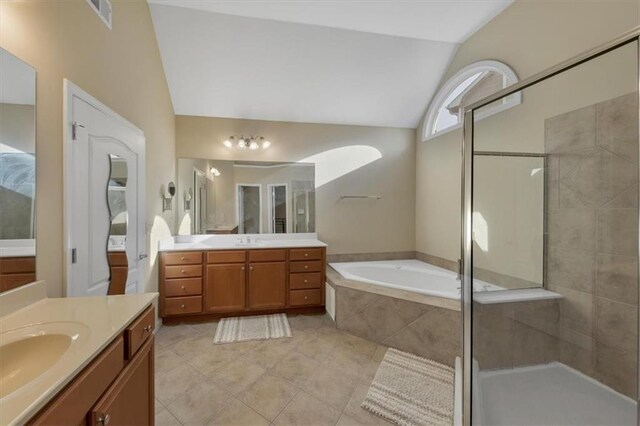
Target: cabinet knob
[
  {"x": 306, "y": 297},
  {"x": 182, "y": 287},
  {"x": 306, "y": 255},
  {"x": 182, "y": 306},
  {"x": 306, "y": 266},
  {"x": 251, "y": 268},
  {"x": 148, "y": 329},
  {"x": 242, "y": 269},
  {"x": 104, "y": 419},
  {"x": 182, "y": 271},
  {"x": 182, "y": 258},
  {"x": 306, "y": 281}
]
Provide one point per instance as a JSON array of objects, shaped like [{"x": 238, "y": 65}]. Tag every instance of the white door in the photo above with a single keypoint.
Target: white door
[
  {"x": 200, "y": 202},
  {"x": 95, "y": 136}
]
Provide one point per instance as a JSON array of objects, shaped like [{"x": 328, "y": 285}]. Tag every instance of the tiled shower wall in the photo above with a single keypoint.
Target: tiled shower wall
[{"x": 592, "y": 237}]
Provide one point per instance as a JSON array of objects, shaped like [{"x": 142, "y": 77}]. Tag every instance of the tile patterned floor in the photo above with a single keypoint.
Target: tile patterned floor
[{"x": 320, "y": 376}]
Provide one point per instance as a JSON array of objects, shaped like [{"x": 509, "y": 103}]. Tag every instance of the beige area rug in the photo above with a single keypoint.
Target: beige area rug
[
  {"x": 242, "y": 329},
  {"x": 411, "y": 390}
]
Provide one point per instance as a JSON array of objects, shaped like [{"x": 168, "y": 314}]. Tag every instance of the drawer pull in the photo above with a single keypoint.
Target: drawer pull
[
  {"x": 242, "y": 269},
  {"x": 182, "y": 287},
  {"x": 182, "y": 271},
  {"x": 148, "y": 329},
  {"x": 306, "y": 255},
  {"x": 104, "y": 419},
  {"x": 182, "y": 258},
  {"x": 182, "y": 306},
  {"x": 306, "y": 266},
  {"x": 251, "y": 268},
  {"x": 306, "y": 281},
  {"x": 306, "y": 298}
]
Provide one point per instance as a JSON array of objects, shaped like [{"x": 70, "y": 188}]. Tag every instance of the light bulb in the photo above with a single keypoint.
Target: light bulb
[
  {"x": 227, "y": 143},
  {"x": 266, "y": 144},
  {"x": 253, "y": 145},
  {"x": 242, "y": 144},
  {"x": 215, "y": 171}
]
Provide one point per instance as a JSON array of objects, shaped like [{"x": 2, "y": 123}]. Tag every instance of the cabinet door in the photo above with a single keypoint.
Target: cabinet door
[
  {"x": 130, "y": 399},
  {"x": 267, "y": 285},
  {"x": 224, "y": 289}
]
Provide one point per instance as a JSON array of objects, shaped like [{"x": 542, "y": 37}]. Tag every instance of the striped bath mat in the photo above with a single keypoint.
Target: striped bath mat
[
  {"x": 412, "y": 391},
  {"x": 242, "y": 329}
]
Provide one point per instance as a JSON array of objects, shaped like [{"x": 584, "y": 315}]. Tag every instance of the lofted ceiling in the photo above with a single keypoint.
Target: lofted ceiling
[{"x": 372, "y": 63}]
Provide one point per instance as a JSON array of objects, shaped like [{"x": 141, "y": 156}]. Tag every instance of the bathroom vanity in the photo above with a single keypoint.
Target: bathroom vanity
[
  {"x": 69, "y": 361},
  {"x": 215, "y": 276}
]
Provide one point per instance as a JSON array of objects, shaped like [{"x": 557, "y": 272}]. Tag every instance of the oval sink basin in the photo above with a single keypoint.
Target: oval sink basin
[{"x": 28, "y": 352}]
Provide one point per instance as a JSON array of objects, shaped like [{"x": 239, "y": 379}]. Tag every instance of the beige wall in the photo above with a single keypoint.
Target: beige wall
[
  {"x": 122, "y": 68},
  {"x": 529, "y": 36},
  {"x": 348, "y": 226}
]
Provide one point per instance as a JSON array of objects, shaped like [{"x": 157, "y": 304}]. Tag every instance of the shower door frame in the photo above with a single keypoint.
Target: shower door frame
[{"x": 467, "y": 199}]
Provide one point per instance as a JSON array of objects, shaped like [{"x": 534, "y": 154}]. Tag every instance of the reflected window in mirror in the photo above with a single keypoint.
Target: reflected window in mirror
[{"x": 17, "y": 172}]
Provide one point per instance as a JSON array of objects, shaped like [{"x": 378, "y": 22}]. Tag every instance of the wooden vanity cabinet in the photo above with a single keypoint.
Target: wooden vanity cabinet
[
  {"x": 116, "y": 388},
  {"x": 16, "y": 272},
  {"x": 241, "y": 282}
]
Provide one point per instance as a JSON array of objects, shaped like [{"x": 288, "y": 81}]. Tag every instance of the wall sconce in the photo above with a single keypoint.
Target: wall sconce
[
  {"x": 215, "y": 172},
  {"x": 167, "y": 197},
  {"x": 188, "y": 196}
]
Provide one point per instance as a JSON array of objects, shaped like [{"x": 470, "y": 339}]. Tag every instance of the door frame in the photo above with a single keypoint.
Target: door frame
[
  {"x": 71, "y": 91},
  {"x": 239, "y": 205},
  {"x": 196, "y": 199},
  {"x": 270, "y": 205}
]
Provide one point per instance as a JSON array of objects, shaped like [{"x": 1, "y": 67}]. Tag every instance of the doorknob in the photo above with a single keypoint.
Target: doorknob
[{"x": 143, "y": 256}]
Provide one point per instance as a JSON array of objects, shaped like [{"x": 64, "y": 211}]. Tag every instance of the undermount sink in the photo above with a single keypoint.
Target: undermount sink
[{"x": 27, "y": 353}]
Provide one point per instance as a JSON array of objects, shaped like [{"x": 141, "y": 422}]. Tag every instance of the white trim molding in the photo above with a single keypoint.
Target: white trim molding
[{"x": 509, "y": 75}]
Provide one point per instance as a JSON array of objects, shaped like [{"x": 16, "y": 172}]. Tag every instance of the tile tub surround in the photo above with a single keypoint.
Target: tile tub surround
[
  {"x": 424, "y": 325},
  {"x": 592, "y": 256},
  {"x": 318, "y": 377}
]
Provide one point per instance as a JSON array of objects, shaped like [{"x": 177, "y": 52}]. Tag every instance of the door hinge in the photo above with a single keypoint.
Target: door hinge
[
  {"x": 74, "y": 129},
  {"x": 74, "y": 256}
]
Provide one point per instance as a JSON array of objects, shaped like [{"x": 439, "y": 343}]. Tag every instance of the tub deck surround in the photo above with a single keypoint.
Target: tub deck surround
[
  {"x": 205, "y": 277},
  {"x": 92, "y": 322}
]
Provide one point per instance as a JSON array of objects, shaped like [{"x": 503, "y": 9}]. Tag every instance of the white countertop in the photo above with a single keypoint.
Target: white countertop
[
  {"x": 17, "y": 248},
  {"x": 96, "y": 321},
  {"x": 238, "y": 242}
]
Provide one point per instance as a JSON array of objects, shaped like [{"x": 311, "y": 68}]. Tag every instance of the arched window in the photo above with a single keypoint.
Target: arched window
[{"x": 467, "y": 86}]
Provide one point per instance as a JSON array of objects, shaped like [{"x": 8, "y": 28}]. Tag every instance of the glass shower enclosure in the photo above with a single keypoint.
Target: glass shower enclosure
[{"x": 550, "y": 246}]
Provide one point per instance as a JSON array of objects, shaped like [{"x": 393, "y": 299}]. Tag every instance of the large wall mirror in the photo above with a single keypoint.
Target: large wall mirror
[
  {"x": 240, "y": 197},
  {"x": 17, "y": 172}
]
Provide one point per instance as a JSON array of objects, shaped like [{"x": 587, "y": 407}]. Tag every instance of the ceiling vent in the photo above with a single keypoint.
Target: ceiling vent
[{"x": 103, "y": 9}]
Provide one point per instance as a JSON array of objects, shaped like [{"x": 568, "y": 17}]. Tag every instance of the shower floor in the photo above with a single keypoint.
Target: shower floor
[{"x": 551, "y": 394}]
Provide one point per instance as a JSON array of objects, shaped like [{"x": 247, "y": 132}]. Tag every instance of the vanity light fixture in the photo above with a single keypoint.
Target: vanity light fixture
[
  {"x": 167, "y": 197},
  {"x": 215, "y": 172},
  {"x": 243, "y": 142}
]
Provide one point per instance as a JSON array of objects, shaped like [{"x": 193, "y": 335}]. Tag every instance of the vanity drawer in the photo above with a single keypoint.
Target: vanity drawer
[
  {"x": 267, "y": 255},
  {"x": 305, "y": 297},
  {"x": 305, "y": 254},
  {"x": 185, "y": 271},
  {"x": 183, "y": 305},
  {"x": 183, "y": 287},
  {"x": 139, "y": 331},
  {"x": 230, "y": 256},
  {"x": 302, "y": 281},
  {"x": 311, "y": 266},
  {"x": 183, "y": 258},
  {"x": 11, "y": 281}
]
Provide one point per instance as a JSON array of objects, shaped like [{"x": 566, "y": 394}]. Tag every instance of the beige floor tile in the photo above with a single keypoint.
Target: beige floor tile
[
  {"x": 269, "y": 395},
  {"x": 159, "y": 407},
  {"x": 236, "y": 413},
  {"x": 358, "y": 345},
  {"x": 212, "y": 359},
  {"x": 208, "y": 328},
  {"x": 193, "y": 346},
  {"x": 296, "y": 368},
  {"x": 356, "y": 413},
  {"x": 265, "y": 354},
  {"x": 237, "y": 375},
  {"x": 331, "y": 385},
  {"x": 316, "y": 347},
  {"x": 348, "y": 360},
  {"x": 174, "y": 383},
  {"x": 166, "y": 359},
  {"x": 165, "y": 418},
  {"x": 305, "y": 322},
  {"x": 200, "y": 403},
  {"x": 171, "y": 334},
  {"x": 305, "y": 409}
]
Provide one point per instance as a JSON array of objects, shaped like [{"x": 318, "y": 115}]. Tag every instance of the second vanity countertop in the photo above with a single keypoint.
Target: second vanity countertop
[
  {"x": 238, "y": 242},
  {"x": 92, "y": 323}
]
